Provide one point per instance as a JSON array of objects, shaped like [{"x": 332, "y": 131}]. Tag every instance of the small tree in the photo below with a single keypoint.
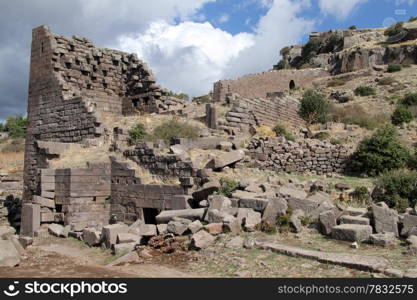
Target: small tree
[
  {"x": 394, "y": 68},
  {"x": 314, "y": 107},
  {"x": 365, "y": 91},
  {"x": 380, "y": 152},
  {"x": 394, "y": 29},
  {"x": 409, "y": 99},
  {"x": 353, "y": 27},
  {"x": 401, "y": 115},
  {"x": 137, "y": 132},
  {"x": 16, "y": 126}
]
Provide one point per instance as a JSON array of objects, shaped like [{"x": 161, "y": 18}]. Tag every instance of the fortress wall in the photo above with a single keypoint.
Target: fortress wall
[{"x": 259, "y": 85}]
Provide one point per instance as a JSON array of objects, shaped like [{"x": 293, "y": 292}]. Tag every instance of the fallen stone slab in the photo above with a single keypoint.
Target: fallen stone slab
[
  {"x": 162, "y": 228},
  {"x": 327, "y": 220},
  {"x": 206, "y": 190},
  {"x": 25, "y": 241},
  {"x": 236, "y": 242},
  {"x": 244, "y": 194},
  {"x": 290, "y": 192},
  {"x": 352, "y": 232},
  {"x": 383, "y": 239},
  {"x": 131, "y": 257},
  {"x": 124, "y": 238},
  {"x": 9, "y": 255},
  {"x": 190, "y": 214},
  {"x": 225, "y": 159},
  {"x": 354, "y": 220},
  {"x": 256, "y": 204},
  {"x": 251, "y": 219},
  {"x": 123, "y": 248},
  {"x": 202, "y": 240},
  {"x": 359, "y": 262},
  {"x": 356, "y": 212},
  {"x": 177, "y": 227},
  {"x": 214, "y": 228},
  {"x": 56, "y": 230},
  {"x": 232, "y": 225},
  {"x": 195, "y": 226},
  {"x": 147, "y": 230},
  {"x": 295, "y": 220}
]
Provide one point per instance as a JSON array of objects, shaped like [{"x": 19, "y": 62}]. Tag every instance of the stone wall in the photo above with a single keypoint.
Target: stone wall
[
  {"x": 259, "y": 85},
  {"x": 257, "y": 112},
  {"x": 11, "y": 183},
  {"x": 132, "y": 200},
  {"x": 306, "y": 157},
  {"x": 72, "y": 83}
]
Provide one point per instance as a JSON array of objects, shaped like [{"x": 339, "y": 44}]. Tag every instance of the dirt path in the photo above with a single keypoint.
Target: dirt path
[{"x": 59, "y": 258}]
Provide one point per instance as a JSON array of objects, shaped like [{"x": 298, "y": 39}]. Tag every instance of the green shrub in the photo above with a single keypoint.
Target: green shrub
[
  {"x": 361, "y": 193},
  {"x": 397, "y": 189},
  {"x": 16, "y": 126},
  {"x": 386, "y": 81},
  {"x": 412, "y": 19},
  {"x": 380, "y": 152},
  {"x": 353, "y": 27},
  {"x": 333, "y": 43},
  {"x": 394, "y": 29},
  {"x": 137, "y": 132},
  {"x": 285, "y": 51},
  {"x": 409, "y": 99},
  {"x": 365, "y": 91},
  {"x": 314, "y": 107},
  {"x": 281, "y": 130},
  {"x": 228, "y": 186},
  {"x": 310, "y": 50},
  {"x": 322, "y": 136},
  {"x": 174, "y": 129},
  {"x": 335, "y": 141},
  {"x": 268, "y": 228},
  {"x": 401, "y": 115},
  {"x": 394, "y": 68},
  {"x": 284, "y": 221},
  {"x": 179, "y": 95}
]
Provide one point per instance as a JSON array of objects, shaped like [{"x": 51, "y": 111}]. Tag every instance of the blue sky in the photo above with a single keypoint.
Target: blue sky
[{"x": 189, "y": 44}]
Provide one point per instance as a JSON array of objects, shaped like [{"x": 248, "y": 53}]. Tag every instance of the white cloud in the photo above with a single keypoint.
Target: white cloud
[
  {"x": 224, "y": 18},
  {"x": 190, "y": 56},
  {"x": 187, "y": 57},
  {"x": 339, "y": 8}
]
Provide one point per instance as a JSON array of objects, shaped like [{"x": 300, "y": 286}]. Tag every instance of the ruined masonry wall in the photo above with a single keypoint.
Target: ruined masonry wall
[
  {"x": 259, "y": 85},
  {"x": 310, "y": 156}
]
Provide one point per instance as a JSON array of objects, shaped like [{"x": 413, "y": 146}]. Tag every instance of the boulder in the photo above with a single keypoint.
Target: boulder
[
  {"x": 295, "y": 220},
  {"x": 356, "y": 212},
  {"x": 409, "y": 221},
  {"x": 232, "y": 225},
  {"x": 91, "y": 236},
  {"x": 327, "y": 220},
  {"x": 307, "y": 206},
  {"x": 383, "y": 239},
  {"x": 385, "y": 219},
  {"x": 215, "y": 216},
  {"x": 249, "y": 243},
  {"x": 319, "y": 197},
  {"x": 225, "y": 159},
  {"x": 109, "y": 233},
  {"x": 221, "y": 203},
  {"x": 9, "y": 255},
  {"x": 319, "y": 186},
  {"x": 214, "y": 228},
  {"x": 123, "y": 248},
  {"x": 190, "y": 214},
  {"x": 354, "y": 220},
  {"x": 201, "y": 240},
  {"x": 26, "y": 241},
  {"x": 177, "y": 227},
  {"x": 275, "y": 207},
  {"x": 412, "y": 242},
  {"x": 56, "y": 229},
  {"x": 324, "y": 206},
  {"x": 195, "y": 226},
  {"x": 254, "y": 188},
  {"x": 251, "y": 219},
  {"x": 352, "y": 232},
  {"x": 162, "y": 229}
]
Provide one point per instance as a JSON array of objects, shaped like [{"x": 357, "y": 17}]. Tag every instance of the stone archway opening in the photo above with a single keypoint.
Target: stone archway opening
[{"x": 292, "y": 85}]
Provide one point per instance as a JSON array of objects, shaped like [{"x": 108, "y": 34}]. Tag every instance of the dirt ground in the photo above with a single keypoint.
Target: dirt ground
[{"x": 68, "y": 258}]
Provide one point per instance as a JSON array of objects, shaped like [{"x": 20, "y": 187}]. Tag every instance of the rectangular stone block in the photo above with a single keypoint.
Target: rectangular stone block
[
  {"x": 31, "y": 219},
  {"x": 44, "y": 202}
]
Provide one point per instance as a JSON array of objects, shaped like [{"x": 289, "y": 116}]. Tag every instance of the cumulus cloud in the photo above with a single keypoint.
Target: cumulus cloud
[
  {"x": 187, "y": 57},
  {"x": 339, "y": 8}
]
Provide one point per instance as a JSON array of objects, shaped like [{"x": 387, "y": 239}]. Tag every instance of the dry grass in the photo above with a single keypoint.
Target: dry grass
[
  {"x": 265, "y": 131},
  {"x": 11, "y": 162}
]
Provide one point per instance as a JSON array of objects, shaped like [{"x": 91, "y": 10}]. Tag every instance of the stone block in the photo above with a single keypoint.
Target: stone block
[
  {"x": 383, "y": 239},
  {"x": 31, "y": 219},
  {"x": 385, "y": 219},
  {"x": 9, "y": 255},
  {"x": 354, "y": 220},
  {"x": 91, "y": 236},
  {"x": 109, "y": 233},
  {"x": 352, "y": 232},
  {"x": 257, "y": 204},
  {"x": 202, "y": 240},
  {"x": 190, "y": 214},
  {"x": 123, "y": 248},
  {"x": 275, "y": 207},
  {"x": 123, "y": 238}
]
